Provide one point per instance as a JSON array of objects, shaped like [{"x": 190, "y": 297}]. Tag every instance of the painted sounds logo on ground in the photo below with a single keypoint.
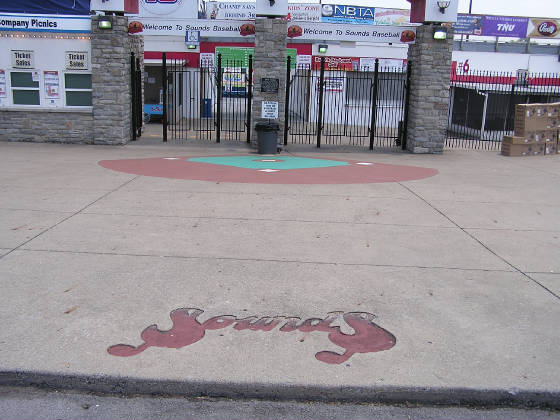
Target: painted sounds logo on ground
[
  {"x": 161, "y": 7},
  {"x": 367, "y": 337}
]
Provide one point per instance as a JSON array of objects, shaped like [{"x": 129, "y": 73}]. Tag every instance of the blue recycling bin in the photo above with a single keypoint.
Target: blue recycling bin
[{"x": 206, "y": 108}]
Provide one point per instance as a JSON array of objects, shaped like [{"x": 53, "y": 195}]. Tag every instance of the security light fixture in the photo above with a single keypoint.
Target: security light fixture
[
  {"x": 443, "y": 4},
  {"x": 440, "y": 33},
  {"x": 323, "y": 48},
  {"x": 191, "y": 46},
  {"x": 105, "y": 23}
]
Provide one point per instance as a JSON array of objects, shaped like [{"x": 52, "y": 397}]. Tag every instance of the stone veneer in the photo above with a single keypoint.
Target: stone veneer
[
  {"x": 110, "y": 60},
  {"x": 46, "y": 125},
  {"x": 109, "y": 119},
  {"x": 269, "y": 62},
  {"x": 429, "y": 91}
]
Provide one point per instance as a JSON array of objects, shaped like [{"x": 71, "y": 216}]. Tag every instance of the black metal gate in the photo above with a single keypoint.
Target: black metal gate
[
  {"x": 337, "y": 106},
  {"x": 482, "y": 105},
  {"x": 137, "y": 113},
  {"x": 210, "y": 103}
]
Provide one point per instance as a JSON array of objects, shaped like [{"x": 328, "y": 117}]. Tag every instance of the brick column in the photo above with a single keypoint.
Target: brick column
[
  {"x": 110, "y": 59},
  {"x": 429, "y": 91},
  {"x": 269, "y": 62}
]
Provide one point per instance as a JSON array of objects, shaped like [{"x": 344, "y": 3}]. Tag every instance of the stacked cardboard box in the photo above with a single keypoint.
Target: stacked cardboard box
[{"x": 536, "y": 130}]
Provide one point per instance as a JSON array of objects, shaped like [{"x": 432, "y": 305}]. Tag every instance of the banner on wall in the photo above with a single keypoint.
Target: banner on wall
[
  {"x": 177, "y": 9},
  {"x": 26, "y": 23},
  {"x": 239, "y": 56},
  {"x": 336, "y": 63},
  {"x": 468, "y": 25},
  {"x": 391, "y": 16},
  {"x": 217, "y": 10},
  {"x": 506, "y": 26},
  {"x": 296, "y": 30},
  {"x": 341, "y": 13},
  {"x": 48, "y": 7},
  {"x": 51, "y": 81},
  {"x": 2, "y": 84},
  {"x": 543, "y": 28}
]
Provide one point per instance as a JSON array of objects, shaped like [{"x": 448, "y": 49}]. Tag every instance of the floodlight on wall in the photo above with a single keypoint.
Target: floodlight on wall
[
  {"x": 323, "y": 48},
  {"x": 443, "y": 4},
  {"x": 440, "y": 33},
  {"x": 105, "y": 23},
  {"x": 191, "y": 46}
]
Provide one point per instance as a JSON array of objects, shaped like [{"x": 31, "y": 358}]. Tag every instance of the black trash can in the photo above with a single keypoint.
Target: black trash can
[{"x": 267, "y": 137}]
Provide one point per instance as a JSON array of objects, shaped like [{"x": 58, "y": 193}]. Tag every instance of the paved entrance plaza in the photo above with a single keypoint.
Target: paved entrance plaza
[{"x": 439, "y": 283}]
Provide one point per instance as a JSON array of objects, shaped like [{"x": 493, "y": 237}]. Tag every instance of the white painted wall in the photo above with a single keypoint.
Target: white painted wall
[
  {"x": 504, "y": 62},
  {"x": 49, "y": 56}
]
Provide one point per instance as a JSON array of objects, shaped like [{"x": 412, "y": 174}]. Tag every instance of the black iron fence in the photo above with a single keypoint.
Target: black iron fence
[
  {"x": 482, "y": 105},
  {"x": 207, "y": 103},
  {"x": 350, "y": 107},
  {"x": 137, "y": 113}
]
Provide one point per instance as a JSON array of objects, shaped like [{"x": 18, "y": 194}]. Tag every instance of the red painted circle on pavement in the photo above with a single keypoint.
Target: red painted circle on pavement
[{"x": 354, "y": 173}]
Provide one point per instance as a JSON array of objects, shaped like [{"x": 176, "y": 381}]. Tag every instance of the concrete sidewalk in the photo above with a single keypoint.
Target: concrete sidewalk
[{"x": 462, "y": 268}]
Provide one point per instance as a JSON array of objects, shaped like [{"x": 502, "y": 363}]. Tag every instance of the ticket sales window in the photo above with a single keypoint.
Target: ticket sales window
[
  {"x": 25, "y": 90},
  {"x": 77, "y": 88}
]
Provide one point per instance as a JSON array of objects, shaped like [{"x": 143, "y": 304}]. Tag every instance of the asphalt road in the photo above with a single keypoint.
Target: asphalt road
[{"x": 30, "y": 403}]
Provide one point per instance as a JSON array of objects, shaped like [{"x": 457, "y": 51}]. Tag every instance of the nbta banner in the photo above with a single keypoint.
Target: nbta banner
[{"x": 46, "y": 7}]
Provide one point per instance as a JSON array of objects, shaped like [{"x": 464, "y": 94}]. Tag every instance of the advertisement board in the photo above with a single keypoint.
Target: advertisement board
[
  {"x": 304, "y": 12},
  {"x": 336, "y": 63},
  {"x": 506, "y": 26},
  {"x": 296, "y": 30},
  {"x": 468, "y": 25},
  {"x": 177, "y": 9},
  {"x": 543, "y": 28},
  {"x": 391, "y": 16},
  {"x": 219, "y": 10},
  {"x": 51, "y": 83},
  {"x": 341, "y": 13},
  {"x": 26, "y": 23},
  {"x": 239, "y": 56},
  {"x": 352, "y": 32},
  {"x": 2, "y": 83}
]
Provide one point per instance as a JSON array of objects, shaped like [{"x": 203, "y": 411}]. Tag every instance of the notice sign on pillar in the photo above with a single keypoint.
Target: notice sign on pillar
[{"x": 269, "y": 110}]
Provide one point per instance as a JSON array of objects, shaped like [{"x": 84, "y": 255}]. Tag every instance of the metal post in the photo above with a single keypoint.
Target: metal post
[
  {"x": 510, "y": 105},
  {"x": 406, "y": 106},
  {"x": 287, "y": 103},
  {"x": 249, "y": 97},
  {"x": 320, "y": 113},
  {"x": 373, "y": 121},
  {"x": 219, "y": 99},
  {"x": 164, "y": 86},
  {"x": 484, "y": 112},
  {"x": 133, "y": 95},
  {"x": 140, "y": 111}
]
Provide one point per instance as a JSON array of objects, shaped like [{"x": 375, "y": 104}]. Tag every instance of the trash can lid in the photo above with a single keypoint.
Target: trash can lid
[{"x": 267, "y": 126}]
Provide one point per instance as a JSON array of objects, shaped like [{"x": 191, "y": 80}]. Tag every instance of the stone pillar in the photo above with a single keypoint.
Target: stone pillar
[
  {"x": 429, "y": 91},
  {"x": 110, "y": 59},
  {"x": 269, "y": 62}
]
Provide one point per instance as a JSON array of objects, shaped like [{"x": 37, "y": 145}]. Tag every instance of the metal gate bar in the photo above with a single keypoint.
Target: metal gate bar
[
  {"x": 346, "y": 107},
  {"x": 482, "y": 105}
]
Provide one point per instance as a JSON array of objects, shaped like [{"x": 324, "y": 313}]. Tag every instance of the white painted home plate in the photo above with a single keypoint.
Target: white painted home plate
[
  {"x": 268, "y": 170},
  {"x": 171, "y": 158},
  {"x": 364, "y": 163}
]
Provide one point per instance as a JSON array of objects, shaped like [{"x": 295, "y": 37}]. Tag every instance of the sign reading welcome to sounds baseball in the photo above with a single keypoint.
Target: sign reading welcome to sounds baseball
[{"x": 296, "y": 30}]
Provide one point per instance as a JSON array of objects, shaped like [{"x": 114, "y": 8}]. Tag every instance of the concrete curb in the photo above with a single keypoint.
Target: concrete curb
[{"x": 386, "y": 394}]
